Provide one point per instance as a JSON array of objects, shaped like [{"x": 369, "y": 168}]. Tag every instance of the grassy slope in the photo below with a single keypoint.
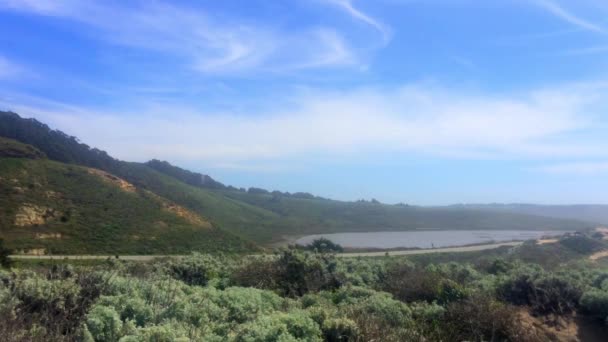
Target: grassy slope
[
  {"x": 95, "y": 216},
  {"x": 10, "y": 148},
  {"x": 239, "y": 218}
]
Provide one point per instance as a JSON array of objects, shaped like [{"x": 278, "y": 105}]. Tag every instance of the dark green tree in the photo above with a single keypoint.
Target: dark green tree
[{"x": 323, "y": 245}]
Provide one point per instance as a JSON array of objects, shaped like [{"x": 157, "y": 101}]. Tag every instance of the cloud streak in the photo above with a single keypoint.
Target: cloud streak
[
  {"x": 204, "y": 41},
  {"x": 418, "y": 118},
  {"x": 560, "y": 12},
  {"x": 350, "y": 9}
]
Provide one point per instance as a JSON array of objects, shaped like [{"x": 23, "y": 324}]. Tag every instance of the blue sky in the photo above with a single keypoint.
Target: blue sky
[{"x": 424, "y": 102}]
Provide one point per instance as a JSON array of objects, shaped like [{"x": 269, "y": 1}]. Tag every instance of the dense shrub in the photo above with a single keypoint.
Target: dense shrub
[
  {"x": 196, "y": 269},
  {"x": 261, "y": 273},
  {"x": 278, "y": 327},
  {"x": 368, "y": 272},
  {"x": 544, "y": 293},
  {"x": 32, "y": 307},
  {"x": 340, "y": 330},
  {"x": 483, "y": 318},
  {"x": 300, "y": 273},
  {"x": 104, "y": 324},
  {"x": 499, "y": 266},
  {"x": 292, "y": 273},
  {"x": 376, "y": 315},
  {"x": 595, "y": 302},
  {"x": 582, "y": 244},
  {"x": 409, "y": 283}
]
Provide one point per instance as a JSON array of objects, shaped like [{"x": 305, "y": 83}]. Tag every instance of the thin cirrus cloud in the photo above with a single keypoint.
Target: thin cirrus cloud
[
  {"x": 542, "y": 124},
  {"x": 562, "y": 13},
  {"x": 350, "y": 9},
  {"x": 205, "y": 42}
]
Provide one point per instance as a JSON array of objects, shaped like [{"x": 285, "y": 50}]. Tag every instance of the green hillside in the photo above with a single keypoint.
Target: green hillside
[
  {"x": 10, "y": 148},
  {"x": 70, "y": 209},
  {"x": 235, "y": 216}
]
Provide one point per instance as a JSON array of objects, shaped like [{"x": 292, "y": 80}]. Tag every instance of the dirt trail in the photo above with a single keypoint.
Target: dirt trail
[
  {"x": 343, "y": 255},
  {"x": 598, "y": 255}
]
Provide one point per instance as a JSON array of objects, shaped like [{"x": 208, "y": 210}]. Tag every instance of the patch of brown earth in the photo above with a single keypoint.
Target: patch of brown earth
[
  {"x": 546, "y": 241},
  {"x": 180, "y": 211},
  {"x": 186, "y": 214},
  {"x": 33, "y": 251},
  {"x": 561, "y": 328},
  {"x": 110, "y": 178},
  {"x": 598, "y": 255},
  {"x": 30, "y": 214}
]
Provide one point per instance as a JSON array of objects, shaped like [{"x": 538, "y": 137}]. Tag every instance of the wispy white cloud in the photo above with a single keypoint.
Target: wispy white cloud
[
  {"x": 202, "y": 40},
  {"x": 410, "y": 119},
  {"x": 348, "y": 7},
  {"x": 576, "y": 168},
  {"x": 562, "y": 13}
]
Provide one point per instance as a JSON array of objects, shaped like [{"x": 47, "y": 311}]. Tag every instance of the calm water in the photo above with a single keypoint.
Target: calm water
[{"x": 427, "y": 238}]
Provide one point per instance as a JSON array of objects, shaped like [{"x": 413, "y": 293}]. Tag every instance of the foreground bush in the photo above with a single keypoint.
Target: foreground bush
[
  {"x": 595, "y": 302},
  {"x": 295, "y": 296},
  {"x": 36, "y": 308},
  {"x": 482, "y": 318},
  {"x": 544, "y": 293},
  {"x": 292, "y": 273},
  {"x": 410, "y": 283}
]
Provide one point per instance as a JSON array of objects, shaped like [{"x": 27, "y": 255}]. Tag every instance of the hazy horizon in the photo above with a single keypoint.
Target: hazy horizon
[{"x": 421, "y": 102}]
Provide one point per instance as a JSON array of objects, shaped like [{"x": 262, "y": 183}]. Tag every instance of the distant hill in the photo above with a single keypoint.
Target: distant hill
[
  {"x": 306, "y": 215},
  {"x": 590, "y": 213},
  {"x": 118, "y": 221}
]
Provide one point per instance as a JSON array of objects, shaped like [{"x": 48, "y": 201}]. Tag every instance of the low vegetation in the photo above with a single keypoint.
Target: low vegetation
[{"x": 295, "y": 295}]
